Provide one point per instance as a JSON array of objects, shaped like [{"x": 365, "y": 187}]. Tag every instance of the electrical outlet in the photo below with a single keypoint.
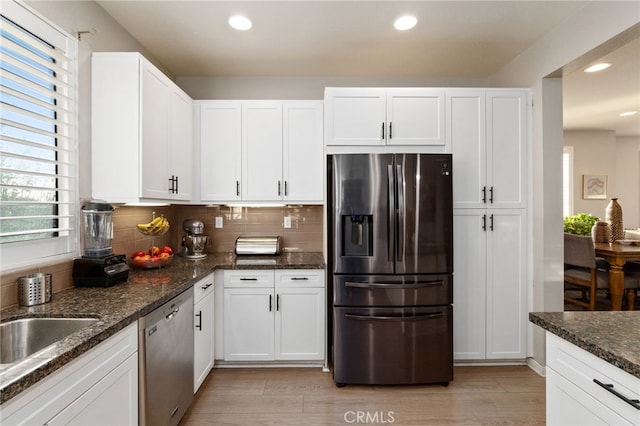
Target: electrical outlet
[
  {"x": 218, "y": 221},
  {"x": 287, "y": 221}
]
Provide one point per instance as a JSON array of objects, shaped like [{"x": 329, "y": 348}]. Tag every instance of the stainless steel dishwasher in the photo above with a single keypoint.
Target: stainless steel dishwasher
[{"x": 166, "y": 361}]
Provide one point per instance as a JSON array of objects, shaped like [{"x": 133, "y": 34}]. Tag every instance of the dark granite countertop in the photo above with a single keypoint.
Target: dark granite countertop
[
  {"x": 122, "y": 304},
  {"x": 611, "y": 336}
]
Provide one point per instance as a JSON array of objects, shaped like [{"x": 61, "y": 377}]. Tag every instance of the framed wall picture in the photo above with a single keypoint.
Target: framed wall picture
[{"x": 594, "y": 187}]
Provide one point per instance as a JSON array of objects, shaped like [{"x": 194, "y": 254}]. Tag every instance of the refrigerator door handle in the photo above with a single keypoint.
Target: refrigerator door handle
[
  {"x": 390, "y": 214},
  {"x": 402, "y": 223},
  {"x": 418, "y": 317},
  {"x": 398, "y": 286}
]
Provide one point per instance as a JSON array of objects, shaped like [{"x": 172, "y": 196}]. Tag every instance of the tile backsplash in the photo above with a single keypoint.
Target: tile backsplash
[{"x": 305, "y": 234}]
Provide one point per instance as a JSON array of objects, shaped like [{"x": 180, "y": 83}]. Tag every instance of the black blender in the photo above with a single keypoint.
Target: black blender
[{"x": 98, "y": 266}]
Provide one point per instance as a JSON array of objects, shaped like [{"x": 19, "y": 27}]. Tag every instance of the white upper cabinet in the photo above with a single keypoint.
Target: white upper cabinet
[
  {"x": 220, "y": 128},
  {"x": 142, "y": 137},
  {"x": 303, "y": 152},
  {"x": 261, "y": 151},
  {"x": 384, "y": 116},
  {"x": 488, "y": 133}
]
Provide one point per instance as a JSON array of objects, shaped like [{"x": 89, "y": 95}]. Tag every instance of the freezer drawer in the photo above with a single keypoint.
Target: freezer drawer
[
  {"x": 392, "y": 346},
  {"x": 392, "y": 290}
]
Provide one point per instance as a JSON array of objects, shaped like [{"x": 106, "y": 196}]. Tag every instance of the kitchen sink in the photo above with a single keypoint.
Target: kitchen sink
[{"x": 22, "y": 338}]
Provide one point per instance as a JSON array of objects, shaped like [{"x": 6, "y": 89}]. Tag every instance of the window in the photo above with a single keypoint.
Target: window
[
  {"x": 567, "y": 181},
  {"x": 38, "y": 155}
]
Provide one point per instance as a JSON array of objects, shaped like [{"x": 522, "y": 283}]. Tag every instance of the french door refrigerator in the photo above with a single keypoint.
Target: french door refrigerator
[{"x": 391, "y": 258}]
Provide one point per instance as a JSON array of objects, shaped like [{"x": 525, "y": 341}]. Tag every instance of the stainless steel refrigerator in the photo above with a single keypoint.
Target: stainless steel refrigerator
[{"x": 391, "y": 258}]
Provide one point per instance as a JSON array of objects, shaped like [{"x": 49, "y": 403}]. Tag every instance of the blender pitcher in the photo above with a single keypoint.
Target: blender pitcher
[{"x": 97, "y": 224}]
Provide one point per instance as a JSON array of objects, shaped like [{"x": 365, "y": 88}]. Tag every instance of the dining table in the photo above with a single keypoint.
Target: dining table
[{"x": 617, "y": 254}]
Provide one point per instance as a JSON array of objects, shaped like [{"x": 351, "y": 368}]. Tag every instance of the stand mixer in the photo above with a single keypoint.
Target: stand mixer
[{"x": 193, "y": 242}]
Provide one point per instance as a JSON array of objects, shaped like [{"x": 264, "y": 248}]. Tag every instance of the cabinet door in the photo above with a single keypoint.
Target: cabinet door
[
  {"x": 248, "y": 324},
  {"x": 506, "y": 148},
  {"x": 155, "y": 113},
  {"x": 355, "y": 116},
  {"x": 415, "y": 117},
  {"x": 506, "y": 275},
  {"x": 303, "y": 152},
  {"x": 203, "y": 339},
  {"x": 220, "y": 150},
  {"x": 466, "y": 130},
  {"x": 181, "y": 157},
  {"x": 299, "y": 326},
  {"x": 469, "y": 291},
  {"x": 262, "y": 151},
  {"x": 112, "y": 401}
]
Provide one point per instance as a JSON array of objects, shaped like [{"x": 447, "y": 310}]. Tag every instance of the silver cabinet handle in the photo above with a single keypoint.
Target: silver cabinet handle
[
  {"x": 238, "y": 188},
  {"x": 199, "y": 324},
  {"x": 299, "y": 278},
  {"x": 383, "y": 130}
]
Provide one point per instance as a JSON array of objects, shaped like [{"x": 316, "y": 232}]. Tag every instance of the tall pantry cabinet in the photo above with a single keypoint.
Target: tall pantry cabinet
[{"x": 488, "y": 132}]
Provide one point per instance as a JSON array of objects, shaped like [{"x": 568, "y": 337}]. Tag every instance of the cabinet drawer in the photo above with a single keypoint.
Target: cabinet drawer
[
  {"x": 203, "y": 287},
  {"x": 300, "y": 278},
  {"x": 582, "y": 368},
  {"x": 248, "y": 278}
]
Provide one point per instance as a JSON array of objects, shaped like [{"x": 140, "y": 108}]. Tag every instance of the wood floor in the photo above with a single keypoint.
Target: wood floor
[{"x": 513, "y": 395}]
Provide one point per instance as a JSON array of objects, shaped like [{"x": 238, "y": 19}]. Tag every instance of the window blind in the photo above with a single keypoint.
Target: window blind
[{"x": 38, "y": 160}]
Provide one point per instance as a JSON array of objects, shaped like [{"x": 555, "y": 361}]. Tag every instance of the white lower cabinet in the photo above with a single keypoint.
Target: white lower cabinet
[
  {"x": 489, "y": 296},
  {"x": 274, "y": 315},
  {"x": 99, "y": 388},
  {"x": 203, "y": 337},
  {"x": 574, "y": 395}
]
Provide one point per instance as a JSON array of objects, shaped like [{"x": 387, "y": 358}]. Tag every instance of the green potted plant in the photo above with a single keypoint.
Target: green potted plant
[{"x": 579, "y": 224}]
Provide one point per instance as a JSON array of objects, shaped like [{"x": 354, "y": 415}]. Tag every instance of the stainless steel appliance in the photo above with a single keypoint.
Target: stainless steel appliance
[
  {"x": 268, "y": 245},
  {"x": 194, "y": 242},
  {"x": 166, "y": 362},
  {"x": 98, "y": 266},
  {"x": 391, "y": 257}
]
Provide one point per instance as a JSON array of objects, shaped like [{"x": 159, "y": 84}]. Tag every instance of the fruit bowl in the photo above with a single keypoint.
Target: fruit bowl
[{"x": 151, "y": 262}]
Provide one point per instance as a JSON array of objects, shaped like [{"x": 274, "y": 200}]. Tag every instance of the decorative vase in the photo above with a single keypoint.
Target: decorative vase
[
  {"x": 613, "y": 215},
  {"x": 600, "y": 232}
]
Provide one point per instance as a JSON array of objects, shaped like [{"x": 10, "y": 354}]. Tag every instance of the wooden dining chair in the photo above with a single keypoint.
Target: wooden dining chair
[
  {"x": 588, "y": 274},
  {"x": 580, "y": 270}
]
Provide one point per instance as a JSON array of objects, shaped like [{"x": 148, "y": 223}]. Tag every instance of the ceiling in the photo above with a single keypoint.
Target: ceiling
[{"x": 453, "y": 39}]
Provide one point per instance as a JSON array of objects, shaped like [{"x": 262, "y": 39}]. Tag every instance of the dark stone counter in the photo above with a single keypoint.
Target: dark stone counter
[
  {"x": 611, "y": 336},
  {"x": 122, "y": 304}
]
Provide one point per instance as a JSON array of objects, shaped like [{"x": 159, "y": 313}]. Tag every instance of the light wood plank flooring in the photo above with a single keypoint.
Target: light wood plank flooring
[{"x": 513, "y": 395}]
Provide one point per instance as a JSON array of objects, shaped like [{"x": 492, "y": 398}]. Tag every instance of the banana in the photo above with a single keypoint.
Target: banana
[{"x": 157, "y": 226}]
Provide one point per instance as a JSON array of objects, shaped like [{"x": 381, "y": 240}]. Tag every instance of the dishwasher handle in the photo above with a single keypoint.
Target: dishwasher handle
[{"x": 172, "y": 314}]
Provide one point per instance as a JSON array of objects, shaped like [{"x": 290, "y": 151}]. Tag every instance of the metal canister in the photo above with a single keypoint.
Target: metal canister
[{"x": 34, "y": 289}]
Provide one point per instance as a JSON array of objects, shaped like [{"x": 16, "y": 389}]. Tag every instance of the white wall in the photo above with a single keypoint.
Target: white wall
[
  {"x": 596, "y": 23},
  {"x": 628, "y": 179},
  {"x": 602, "y": 153},
  {"x": 594, "y": 153}
]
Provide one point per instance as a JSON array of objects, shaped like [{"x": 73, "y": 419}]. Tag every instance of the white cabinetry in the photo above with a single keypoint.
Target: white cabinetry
[
  {"x": 203, "y": 338},
  {"x": 261, "y": 151},
  {"x": 583, "y": 389},
  {"x": 85, "y": 391},
  {"x": 489, "y": 297},
  {"x": 274, "y": 316},
  {"x": 384, "y": 116},
  {"x": 141, "y": 131},
  {"x": 488, "y": 134}
]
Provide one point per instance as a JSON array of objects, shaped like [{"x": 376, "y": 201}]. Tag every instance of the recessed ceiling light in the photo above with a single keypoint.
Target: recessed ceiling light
[
  {"x": 627, "y": 113},
  {"x": 597, "y": 67},
  {"x": 240, "y": 23},
  {"x": 405, "y": 22}
]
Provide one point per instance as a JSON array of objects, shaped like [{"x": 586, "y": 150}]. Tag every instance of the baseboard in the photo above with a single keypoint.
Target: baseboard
[{"x": 537, "y": 367}]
